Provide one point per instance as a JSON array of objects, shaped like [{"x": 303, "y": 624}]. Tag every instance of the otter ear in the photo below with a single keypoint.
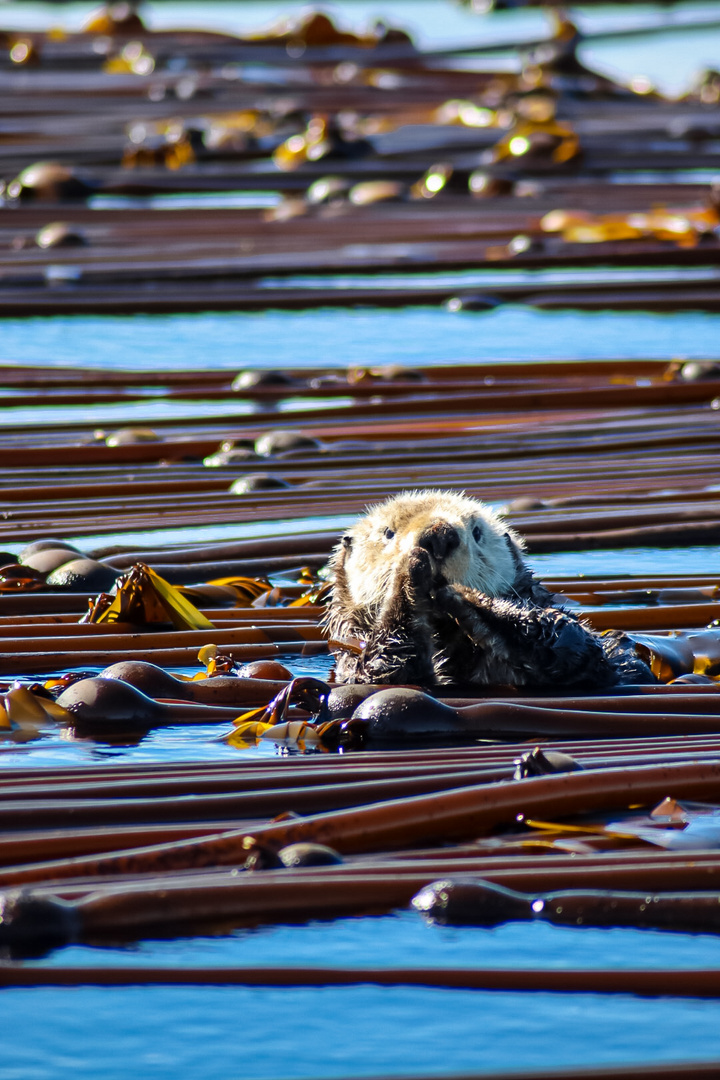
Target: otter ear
[{"x": 347, "y": 541}]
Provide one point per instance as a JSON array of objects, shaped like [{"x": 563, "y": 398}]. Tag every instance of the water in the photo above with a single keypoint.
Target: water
[
  {"x": 358, "y": 1031},
  {"x": 198, "y": 200},
  {"x": 149, "y": 410},
  {"x": 638, "y": 562},
  {"x": 216, "y": 1032},
  {"x": 221, "y": 1032},
  {"x": 333, "y": 337},
  {"x": 211, "y": 1032},
  {"x": 241, "y": 530},
  {"x": 483, "y": 278}
]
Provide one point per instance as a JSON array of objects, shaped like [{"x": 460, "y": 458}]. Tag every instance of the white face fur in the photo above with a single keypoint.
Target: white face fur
[{"x": 486, "y": 558}]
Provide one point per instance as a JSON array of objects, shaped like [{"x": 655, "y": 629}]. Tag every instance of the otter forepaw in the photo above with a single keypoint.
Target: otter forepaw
[
  {"x": 454, "y": 598},
  {"x": 421, "y": 571}
]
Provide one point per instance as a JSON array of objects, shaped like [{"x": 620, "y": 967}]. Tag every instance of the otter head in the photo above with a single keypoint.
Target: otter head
[{"x": 468, "y": 544}]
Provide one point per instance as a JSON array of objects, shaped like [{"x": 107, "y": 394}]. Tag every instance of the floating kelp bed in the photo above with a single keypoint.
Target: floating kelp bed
[
  {"x": 187, "y": 797},
  {"x": 363, "y": 154},
  {"x": 101, "y": 854}
]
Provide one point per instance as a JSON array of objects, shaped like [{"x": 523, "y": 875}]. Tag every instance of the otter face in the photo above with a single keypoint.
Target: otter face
[{"x": 468, "y": 543}]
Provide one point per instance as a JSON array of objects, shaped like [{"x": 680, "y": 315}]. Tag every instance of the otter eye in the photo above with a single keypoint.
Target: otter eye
[
  {"x": 477, "y": 534},
  {"x": 389, "y": 533}
]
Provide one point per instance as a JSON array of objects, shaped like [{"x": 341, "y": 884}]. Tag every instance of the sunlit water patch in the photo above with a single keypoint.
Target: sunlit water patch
[
  {"x": 635, "y": 562},
  {"x": 217, "y": 1032},
  {"x": 364, "y": 942},
  {"x": 147, "y": 410},
  {"x": 195, "y": 1031},
  {"x": 204, "y": 534},
  {"x": 197, "y": 200},
  {"x": 488, "y": 278},
  {"x": 341, "y": 337}
]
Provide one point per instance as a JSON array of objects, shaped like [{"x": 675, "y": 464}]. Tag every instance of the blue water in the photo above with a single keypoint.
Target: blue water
[
  {"x": 149, "y": 410},
  {"x": 338, "y": 338},
  {"x": 415, "y": 944},
  {"x": 480, "y": 277},
  {"x": 198, "y": 200},
  {"x": 213, "y": 1033},
  {"x": 363, "y": 1030}
]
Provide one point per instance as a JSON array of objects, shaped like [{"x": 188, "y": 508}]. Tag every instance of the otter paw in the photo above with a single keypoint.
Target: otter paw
[
  {"x": 451, "y": 600},
  {"x": 468, "y": 611},
  {"x": 420, "y": 569}
]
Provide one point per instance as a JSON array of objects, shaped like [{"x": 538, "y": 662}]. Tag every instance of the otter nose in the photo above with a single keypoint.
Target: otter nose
[{"x": 440, "y": 539}]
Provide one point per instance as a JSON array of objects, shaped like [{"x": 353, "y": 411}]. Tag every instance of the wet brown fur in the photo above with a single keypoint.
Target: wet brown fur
[{"x": 431, "y": 588}]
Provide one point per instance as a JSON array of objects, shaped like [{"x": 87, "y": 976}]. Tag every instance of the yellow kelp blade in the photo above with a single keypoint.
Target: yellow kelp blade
[
  {"x": 247, "y": 588},
  {"x": 215, "y": 596},
  {"x": 317, "y": 593},
  {"x": 183, "y": 614},
  {"x": 101, "y": 611},
  {"x": 592, "y": 830},
  {"x": 247, "y": 734},
  {"x": 249, "y": 715},
  {"x": 207, "y": 656},
  {"x": 144, "y": 598},
  {"x": 216, "y": 663},
  {"x": 291, "y": 733},
  {"x": 25, "y": 715},
  {"x": 133, "y": 600}
]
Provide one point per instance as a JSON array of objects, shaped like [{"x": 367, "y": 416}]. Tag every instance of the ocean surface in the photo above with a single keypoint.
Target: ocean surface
[
  {"x": 224, "y": 1032},
  {"x": 337, "y": 338}
]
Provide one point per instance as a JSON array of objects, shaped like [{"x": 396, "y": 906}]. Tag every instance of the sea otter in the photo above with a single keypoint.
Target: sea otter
[{"x": 431, "y": 587}]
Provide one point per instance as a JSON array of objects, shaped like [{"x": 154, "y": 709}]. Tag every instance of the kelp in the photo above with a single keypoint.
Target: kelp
[
  {"x": 680, "y": 653},
  {"x": 18, "y": 578},
  {"x": 685, "y": 228},
  {"x": 550, "y": 139},
  {"x": 28, "y": 712},
  {"x": 483, "y": 903},
  {"x": 270, "y": 723},
  {"x": 641, "y": 435},
  {"x": 241, "y": 591},
  {"x": 144, "y": 598}
]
